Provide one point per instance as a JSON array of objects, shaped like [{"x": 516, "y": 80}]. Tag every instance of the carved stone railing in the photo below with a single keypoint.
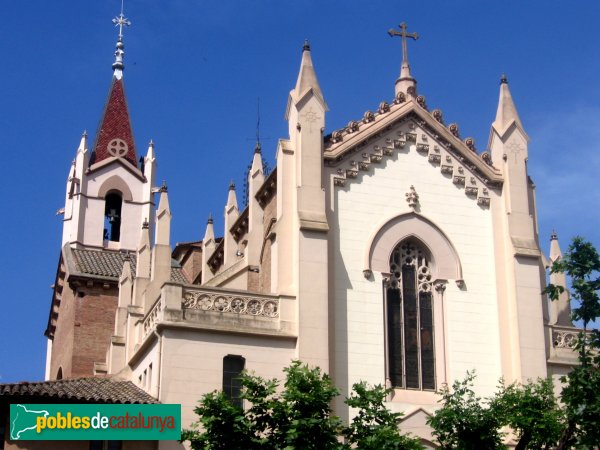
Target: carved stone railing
[
  {"x": 232, "y": 303},
  {"x": 564, "y": 339},
  {"x": 152, "y": 318}
]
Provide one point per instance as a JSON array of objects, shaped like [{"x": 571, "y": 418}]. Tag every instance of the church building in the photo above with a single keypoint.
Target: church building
[{"x": 390, "y": 251}]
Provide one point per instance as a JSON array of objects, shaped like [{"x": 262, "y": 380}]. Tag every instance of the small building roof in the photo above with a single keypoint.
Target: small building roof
[
  {"x": 96, "y": 390},
  {"x": 107, "y": 263}
]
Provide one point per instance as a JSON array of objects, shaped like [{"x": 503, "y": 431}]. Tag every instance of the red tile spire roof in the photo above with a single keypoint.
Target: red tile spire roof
[{"x": 115, "y": 138}]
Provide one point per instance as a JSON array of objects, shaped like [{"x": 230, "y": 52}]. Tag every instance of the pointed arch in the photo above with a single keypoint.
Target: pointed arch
[
  {"x": 115, "y": 183},
  {"x": 446, "y": 263}
]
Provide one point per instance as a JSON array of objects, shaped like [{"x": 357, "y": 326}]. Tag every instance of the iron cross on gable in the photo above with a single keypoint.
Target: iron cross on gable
[{"x": 404, "y": 34}]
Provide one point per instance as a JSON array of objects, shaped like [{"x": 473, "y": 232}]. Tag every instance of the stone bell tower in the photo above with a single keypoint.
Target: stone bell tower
[
  {"x": 109, "y": 192},
  {"x": 108, "y": 211}
]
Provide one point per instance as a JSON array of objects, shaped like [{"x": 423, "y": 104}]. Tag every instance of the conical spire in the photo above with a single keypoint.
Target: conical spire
[
  {"x": 231, "y": 197},
  {"x": 507, "y": 111},
  {"x": 307, "y": 77},
  {"x": 555, "y": 252},
  {"x": 163, "y": 218},
  {"x": 115, "y": 138},
  {"x": 209, "y": 234},
  {"x": 560, "y": 310}
]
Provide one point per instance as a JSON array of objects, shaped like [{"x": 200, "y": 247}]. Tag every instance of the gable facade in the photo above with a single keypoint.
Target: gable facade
[{"x": 390, "y": 251}]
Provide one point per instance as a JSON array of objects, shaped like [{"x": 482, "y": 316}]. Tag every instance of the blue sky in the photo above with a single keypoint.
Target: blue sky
[{"x": 194, "y": 71}]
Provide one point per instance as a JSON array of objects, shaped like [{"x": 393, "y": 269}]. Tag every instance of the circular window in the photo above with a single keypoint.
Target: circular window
[{"x": 117, "y": 147}]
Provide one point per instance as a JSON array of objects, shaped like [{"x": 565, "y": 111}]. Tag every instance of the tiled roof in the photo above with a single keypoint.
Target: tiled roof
[
  {"x": 107, "y": 263},
  {"x": 115, "y": 125},
  {"x": 101, "y": 390}
]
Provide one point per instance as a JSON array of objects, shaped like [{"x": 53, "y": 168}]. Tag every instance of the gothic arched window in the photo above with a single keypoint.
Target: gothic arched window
[
  {"x": 410, "y": 340},
  {"x": 112, "y": 217}
]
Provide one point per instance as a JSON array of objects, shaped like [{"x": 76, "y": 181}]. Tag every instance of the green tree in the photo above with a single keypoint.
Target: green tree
[
  {"x": 465, "y": 421},
  {"x": 299, "y": 416},
  {"x": 531, "y": 410},
  {"x": 581, "y": 391},
  {"x": 375, "y": 427}
]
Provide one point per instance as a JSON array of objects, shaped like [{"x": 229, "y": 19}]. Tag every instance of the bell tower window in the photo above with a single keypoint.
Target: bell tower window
[
  {"x": 410, "y": 339},
  {"x": 112, "y": 217}
]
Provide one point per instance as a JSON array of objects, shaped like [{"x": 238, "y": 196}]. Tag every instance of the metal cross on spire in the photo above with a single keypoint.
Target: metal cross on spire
[
  {"x": 118, "y": 66},
  {"x": 404, "y": 34},
  {"x": 121, "y": 21}
]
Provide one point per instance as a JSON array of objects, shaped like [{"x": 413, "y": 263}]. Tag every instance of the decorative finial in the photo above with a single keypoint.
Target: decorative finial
[
  {"x": 412, "y": 197},
  {"x": 405, "y": 83},
  {"x": 126, "y": 256},
  {"x": 403, "y": 34},
  {"x": 84, "y": 134},
  {"x": 553, "y": 236},
  {"x": 306, "y": 46},
  {"x": 151, "y": 144},
  {"x": 145, "y": 224},
  {"x": 503, "y": 79},
  {"x": 210, "y": 219},
  {"x": 257, "y": 147},
  {"x": 163, "y": 188},
  {"x": 118, "y": 66},
  {"x": 231, "y": 185}
]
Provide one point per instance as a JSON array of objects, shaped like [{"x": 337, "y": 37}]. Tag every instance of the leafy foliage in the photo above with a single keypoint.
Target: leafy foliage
[
  {"x": 532, "y": 412},
  {"x": 375, "y": 427},
  {"x": 465, "y": 421},
  {"x": 298, "y": 417}
]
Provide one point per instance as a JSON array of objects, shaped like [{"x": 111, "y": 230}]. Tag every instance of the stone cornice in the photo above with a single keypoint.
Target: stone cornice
[{"x": 358, "y": 135}]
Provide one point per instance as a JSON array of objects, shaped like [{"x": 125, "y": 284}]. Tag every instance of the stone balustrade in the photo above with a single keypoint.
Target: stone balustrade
[{"x": 231, "y": 303}]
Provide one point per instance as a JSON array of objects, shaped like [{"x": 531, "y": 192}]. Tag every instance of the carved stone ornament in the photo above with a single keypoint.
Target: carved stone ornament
[
  {"x": 384, "y": 107},
  {"x": 564, "y": 339},
  {"x": 336, "y": 136},
  {"x": 470, "y": 143},
  {"x": 438, "y": 115},
  {"x": 421, "y": 101},
  {"x": 453, "y": 128},
  {"x": 471, "y": 190},
  {"x": 412, "y": 197},
  {"x": 368, "y": 117},
  {"x": 447, "y": 169},
  {"x": 483, "y": 201},
  {"x": 117, "y": 147},
  {"x": 459, "y": 180},
  {"x": 399, "y": 144},
  {"x": 435, "y": 158},
  {"x": 411, "y": 137},
  {"x": 235, "y": 304},
  {"x": 423, "y": 148},
  {"x": 352, "y": 126},
  {"x": 487, "y": 158},
  {"x": 400, "y": 98}
]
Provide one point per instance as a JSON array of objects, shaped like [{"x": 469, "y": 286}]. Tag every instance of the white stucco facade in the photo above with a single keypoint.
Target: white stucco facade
[{"x": 304, "y": 271}]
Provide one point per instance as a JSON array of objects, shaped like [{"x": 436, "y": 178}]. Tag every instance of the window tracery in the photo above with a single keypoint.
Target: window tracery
[{"x": 411, "y": 358}]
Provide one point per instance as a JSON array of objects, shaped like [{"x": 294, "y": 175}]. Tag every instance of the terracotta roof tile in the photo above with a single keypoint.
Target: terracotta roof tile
[
  {"x": 99, "y": 390},
  {"x": 108, "y": 263},
  {"x": 115, "y": 124}
]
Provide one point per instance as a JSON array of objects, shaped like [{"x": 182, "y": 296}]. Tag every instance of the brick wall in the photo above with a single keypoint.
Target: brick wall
[{"x": 85, "y": 325}]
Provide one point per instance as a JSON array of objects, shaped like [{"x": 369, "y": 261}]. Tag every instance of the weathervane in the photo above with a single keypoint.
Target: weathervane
[
  {"x": 404, "y": 34},
  {"x": 121, "y": 21}
]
